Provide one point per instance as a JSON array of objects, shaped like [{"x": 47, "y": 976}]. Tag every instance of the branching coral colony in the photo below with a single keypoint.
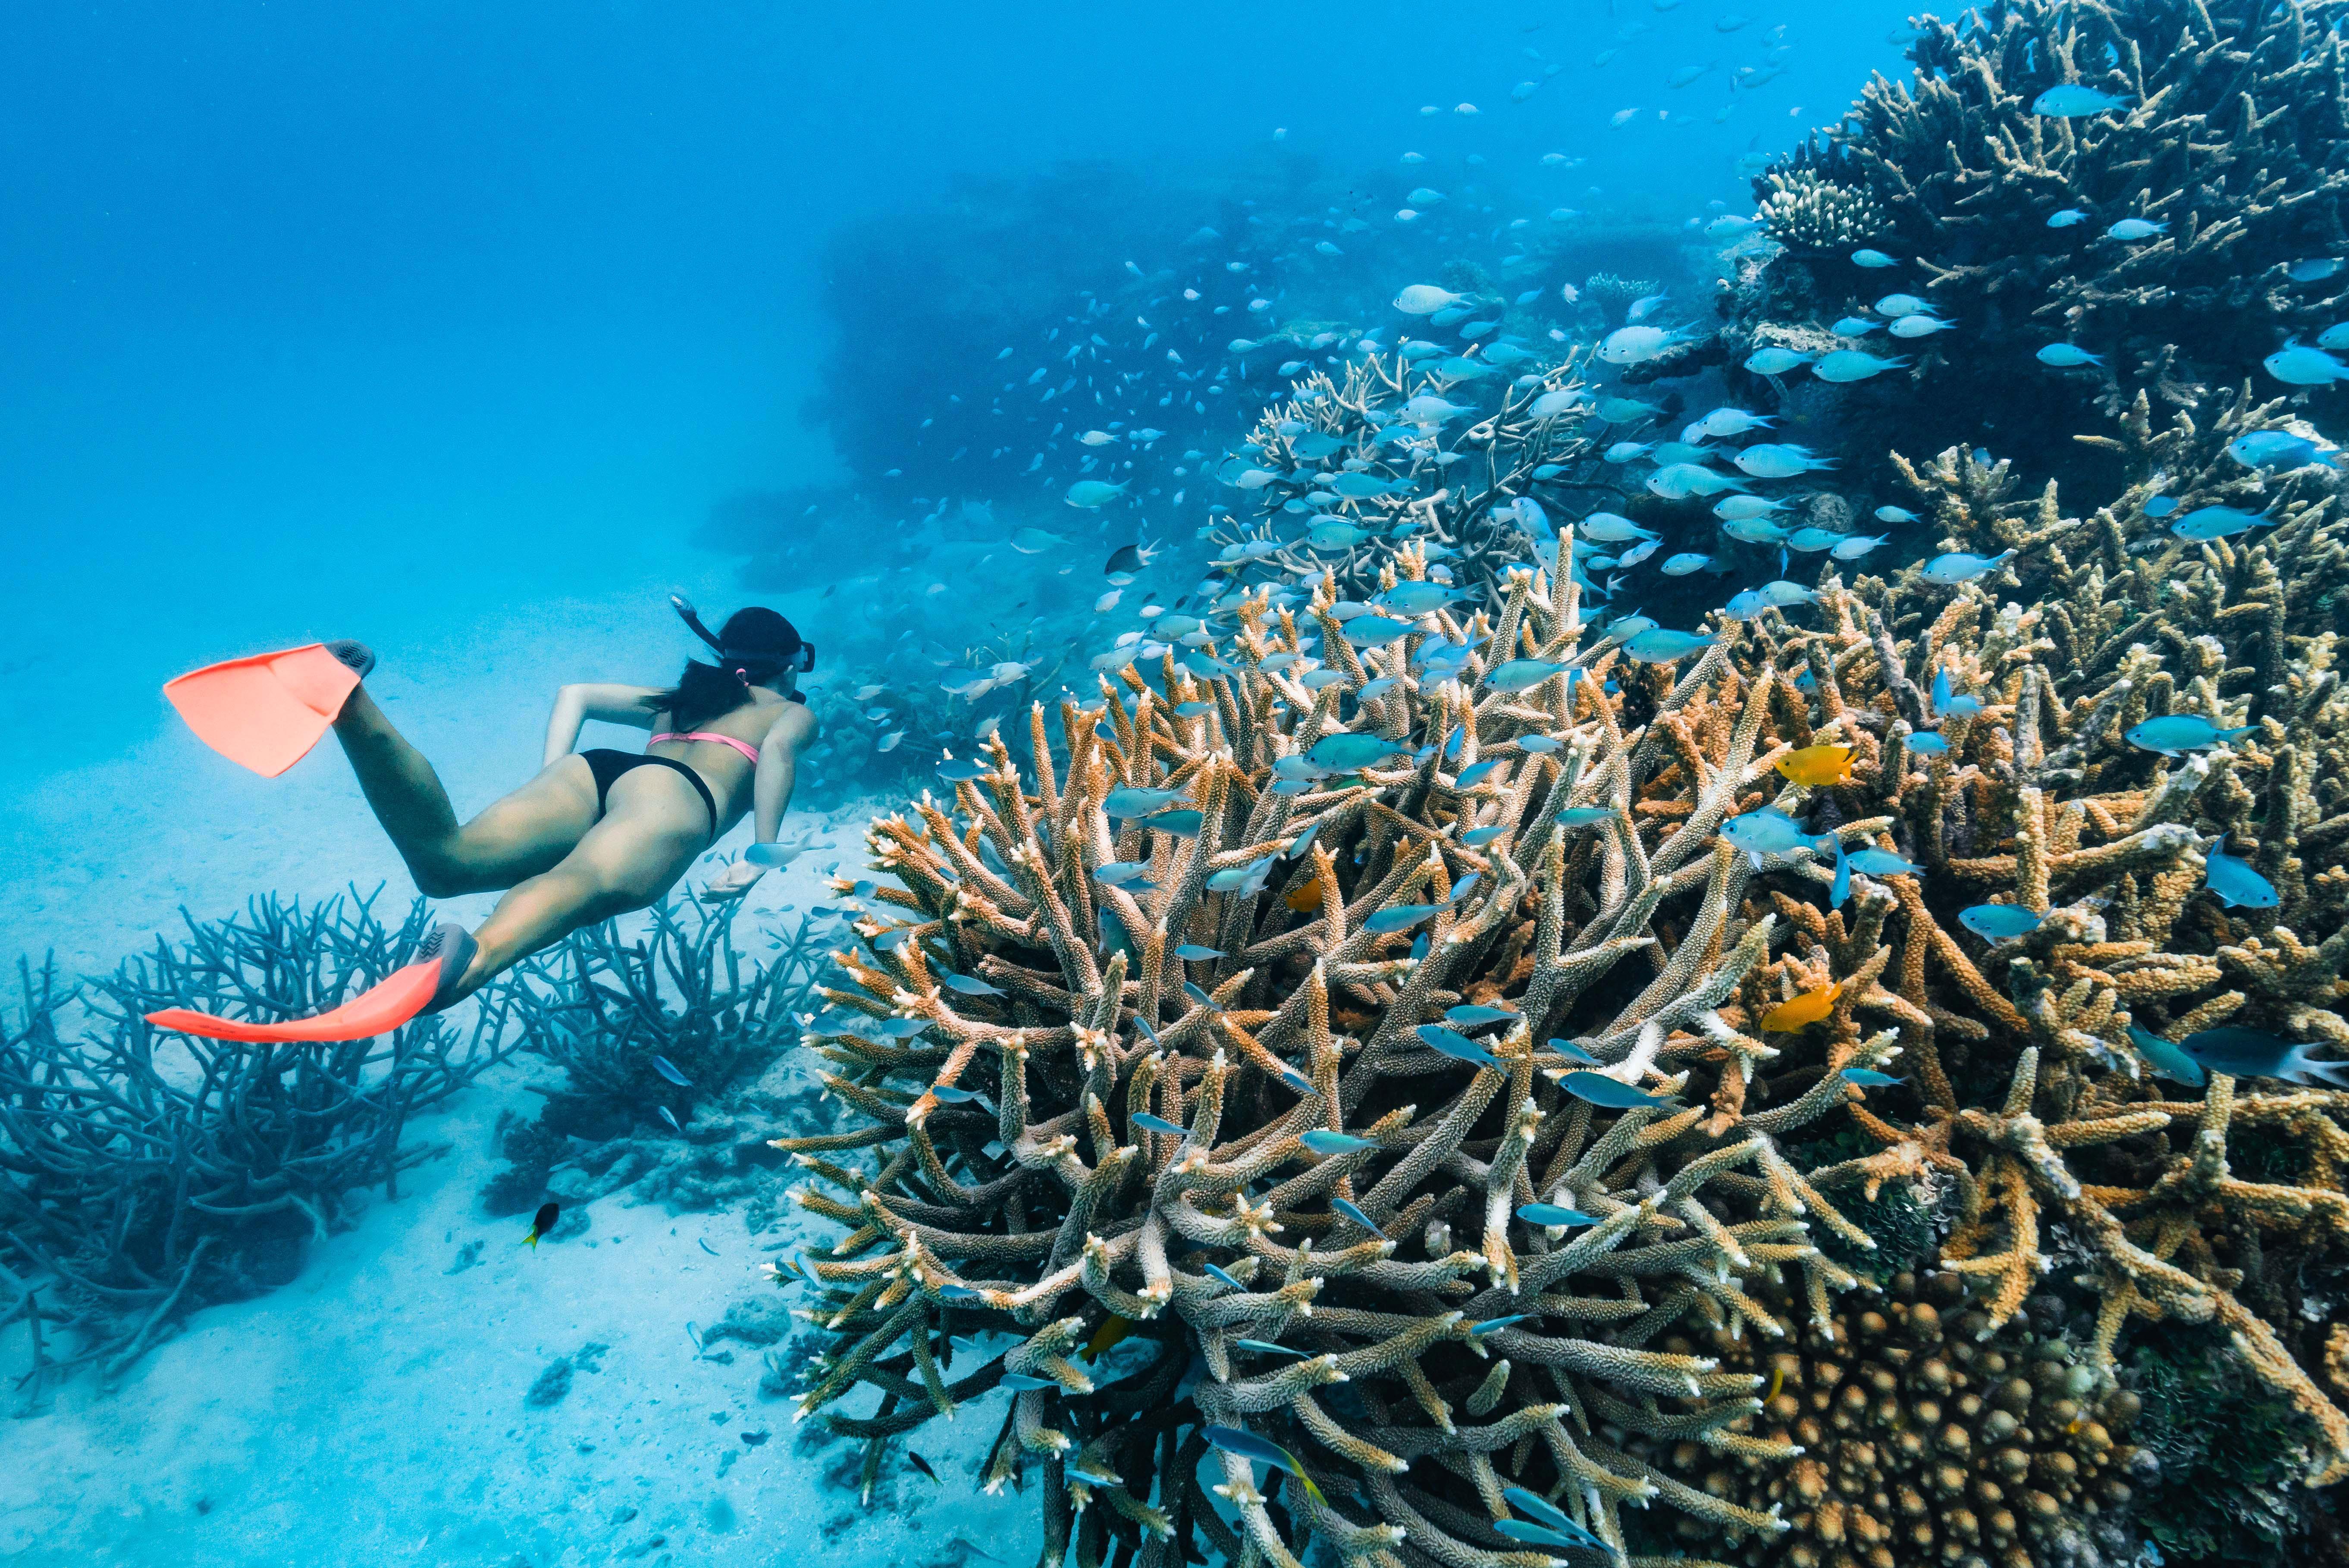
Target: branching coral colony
[{"x": 1209, "y": 1097}]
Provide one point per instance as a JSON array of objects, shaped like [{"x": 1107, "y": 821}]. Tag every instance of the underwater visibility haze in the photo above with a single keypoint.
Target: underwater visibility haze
[{"x": 1316, "y": 784}]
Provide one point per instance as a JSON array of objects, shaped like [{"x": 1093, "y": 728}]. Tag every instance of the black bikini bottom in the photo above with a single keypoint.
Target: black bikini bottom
[{"x": 607, "y": 765}]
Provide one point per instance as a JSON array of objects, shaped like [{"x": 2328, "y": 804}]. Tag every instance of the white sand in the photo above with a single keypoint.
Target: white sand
[{"x": 372, "y": 1411}]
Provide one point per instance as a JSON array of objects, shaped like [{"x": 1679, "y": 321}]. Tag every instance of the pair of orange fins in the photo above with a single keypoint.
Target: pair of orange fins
[{"x": 266, "y": 712}]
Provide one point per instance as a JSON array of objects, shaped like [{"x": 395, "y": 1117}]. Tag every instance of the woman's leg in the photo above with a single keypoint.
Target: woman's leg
[
  {"x": 522, "y": 834},
  {"x": 654, "y": 827}
]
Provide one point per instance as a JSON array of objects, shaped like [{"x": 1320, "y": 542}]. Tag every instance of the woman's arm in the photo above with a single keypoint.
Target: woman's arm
[
  {"x": 771, "y": 796},
  {"x": 779, "y": 757},
  {"x": 574, "y": 705}
]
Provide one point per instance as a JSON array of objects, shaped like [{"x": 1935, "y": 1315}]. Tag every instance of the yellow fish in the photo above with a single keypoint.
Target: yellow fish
[
  {"x": 1306, "y": 899},
  {"x": 1803, "y": 1011},
  {"x": 1112, "y": 1329},
  {"x": 1816, "y": 765}
]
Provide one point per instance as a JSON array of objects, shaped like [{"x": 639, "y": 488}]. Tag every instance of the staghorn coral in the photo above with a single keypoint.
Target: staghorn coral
[
  {"x": 143, "y": 1175},
  {"x": 1452, "y": 481},
  {"x": 1078, "y": 1217},
  {"x": 1924, "y": 1437},
  {"x": 1642, "y": 939}
]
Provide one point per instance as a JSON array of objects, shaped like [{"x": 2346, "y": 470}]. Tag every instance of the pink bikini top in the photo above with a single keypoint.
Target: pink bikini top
[{"x": 748, "y": 751}]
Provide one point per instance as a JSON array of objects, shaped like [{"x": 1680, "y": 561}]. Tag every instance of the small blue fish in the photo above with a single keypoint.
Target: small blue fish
[
  {"x": 1266, "y": 1347},
  {"x": 1469, "y": 1015},
  {"x": 1547, "y": 1516},
  {"x": 1025, "y": 1384},
  {"x": 2166, "y": 1060},
  {"x": 956, "y": 1292},
  {"x": 970, "y": 986},
  {"x": 669, "y": 1116},
  {"x": 1998, "y": 921},
  {"x": 1575, "y": 1053},
  {"x": 1299, "y": 845},
  {"x": 1882, "y": 863},
  {"x": 905, "y": 1028},
  {"x": 668, "y": 1069},
  {"x": 1216, "y": 1271},
  {"x": 961, "y": 772},
  {"x": 954, "y": 1094},
  {"x": 2276, "y": 451},
  {"x": 1200, "y": 997},
  {"x": 1585, "y": 816},
  {"x": 1475, "y": 774},
  {"x": 1435, "y": 1037},
  {"x": 2206, "y": 522},
  {"x": 2176, "y": 732},
  {"x": 1262, "y": 1451},
  {"x": 1661, "y": 645},
  {"x": 1495, "y": 1325},
  {"x": 1192, "y": 952},
  {"x": 1872, "y": 258},
  {"x": 1840, "y": 888},
  {"x": 1128, "y": 803},
  {"x": 2074, "y": 100},
  {"x": 2253, "y": 1053},
  {"x": 1958, "y": 567},
  {"x": 1926, "y": 743},
  {"x": 1150, "y": 1123},
  {"x": 1359, "y": 1218},
  {"x": 1868, "y": 1078},
  {"x": 1397, "y": 917},
  {"x": 1602, "y": 1090},
  {"x": 1321, "y": 1140},
  {"x": 1541, "y": 744},
  {"x": 1552, "y": 1215},
  {"x": 1345, "y": 752},
  {"x": 1477, "y": 838},
  {"x": 1769, "y": 831},
  {"x": 1117, "y": 873},
  {"x": 2160, "y": 506},
  {"x": 1193, "y": 709},
  {"x": 2235, "y": 884},
  {"x": 2067, "y": 218},
  {"x": 2131, "y": 230},
  {"x": 1092, "y": 1475},
  {"x": 1522, "y": 675},
  {"x": 1298, "y": 1080},
  {"x": 2067, "y": 357}
]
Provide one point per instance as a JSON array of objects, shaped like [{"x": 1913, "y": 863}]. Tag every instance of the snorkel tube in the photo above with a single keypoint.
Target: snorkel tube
[{"x": 801, "y": 656}]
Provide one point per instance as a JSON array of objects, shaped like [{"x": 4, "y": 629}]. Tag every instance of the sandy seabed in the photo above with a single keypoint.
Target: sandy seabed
[{"x": 373, "y": 1410}]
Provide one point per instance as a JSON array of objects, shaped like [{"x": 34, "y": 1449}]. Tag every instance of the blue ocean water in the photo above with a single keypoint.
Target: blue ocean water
[{"x": 471, "y": 332}]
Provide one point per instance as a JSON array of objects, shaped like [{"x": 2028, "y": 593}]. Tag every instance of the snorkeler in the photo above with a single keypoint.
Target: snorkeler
[{"x": 594, "y": 835}]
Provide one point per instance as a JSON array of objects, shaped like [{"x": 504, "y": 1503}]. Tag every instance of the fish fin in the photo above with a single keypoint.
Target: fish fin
[
  {"x": 1310, "y": 1489},
  {"x": 2334, "y": 1073},
  {"x": 2236, "y": 734}
]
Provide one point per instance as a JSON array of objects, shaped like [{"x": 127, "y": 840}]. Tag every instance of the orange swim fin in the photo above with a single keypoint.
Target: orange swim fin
[
  {"x": 378, "y": 1010},
  {"x": 266, "y": 711},
  {"x": 446, "y": 952}
]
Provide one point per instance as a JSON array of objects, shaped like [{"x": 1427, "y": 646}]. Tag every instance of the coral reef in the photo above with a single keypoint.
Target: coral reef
[
  {"x": 608, "y": 1011},
  {"x": 2227, "y": 138},
  {"x": 143, "y": 1175},
  {"x": 1068, "y": 1121}
]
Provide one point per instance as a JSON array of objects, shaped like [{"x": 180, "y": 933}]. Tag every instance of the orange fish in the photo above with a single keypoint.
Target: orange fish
[
  {"x": 1803, "y": 1011},
  {"x": 1306, "y": 899},
  {"x": 1816, "y": 765}
]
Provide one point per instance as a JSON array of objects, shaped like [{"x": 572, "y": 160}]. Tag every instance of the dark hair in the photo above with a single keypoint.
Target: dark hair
[{"x": 756, "y": 645}]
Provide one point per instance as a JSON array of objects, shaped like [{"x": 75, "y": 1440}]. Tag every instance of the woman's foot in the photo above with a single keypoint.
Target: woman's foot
[
  {"x": 356, "y": 654},
  {"x": 454, "y": 947}
]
